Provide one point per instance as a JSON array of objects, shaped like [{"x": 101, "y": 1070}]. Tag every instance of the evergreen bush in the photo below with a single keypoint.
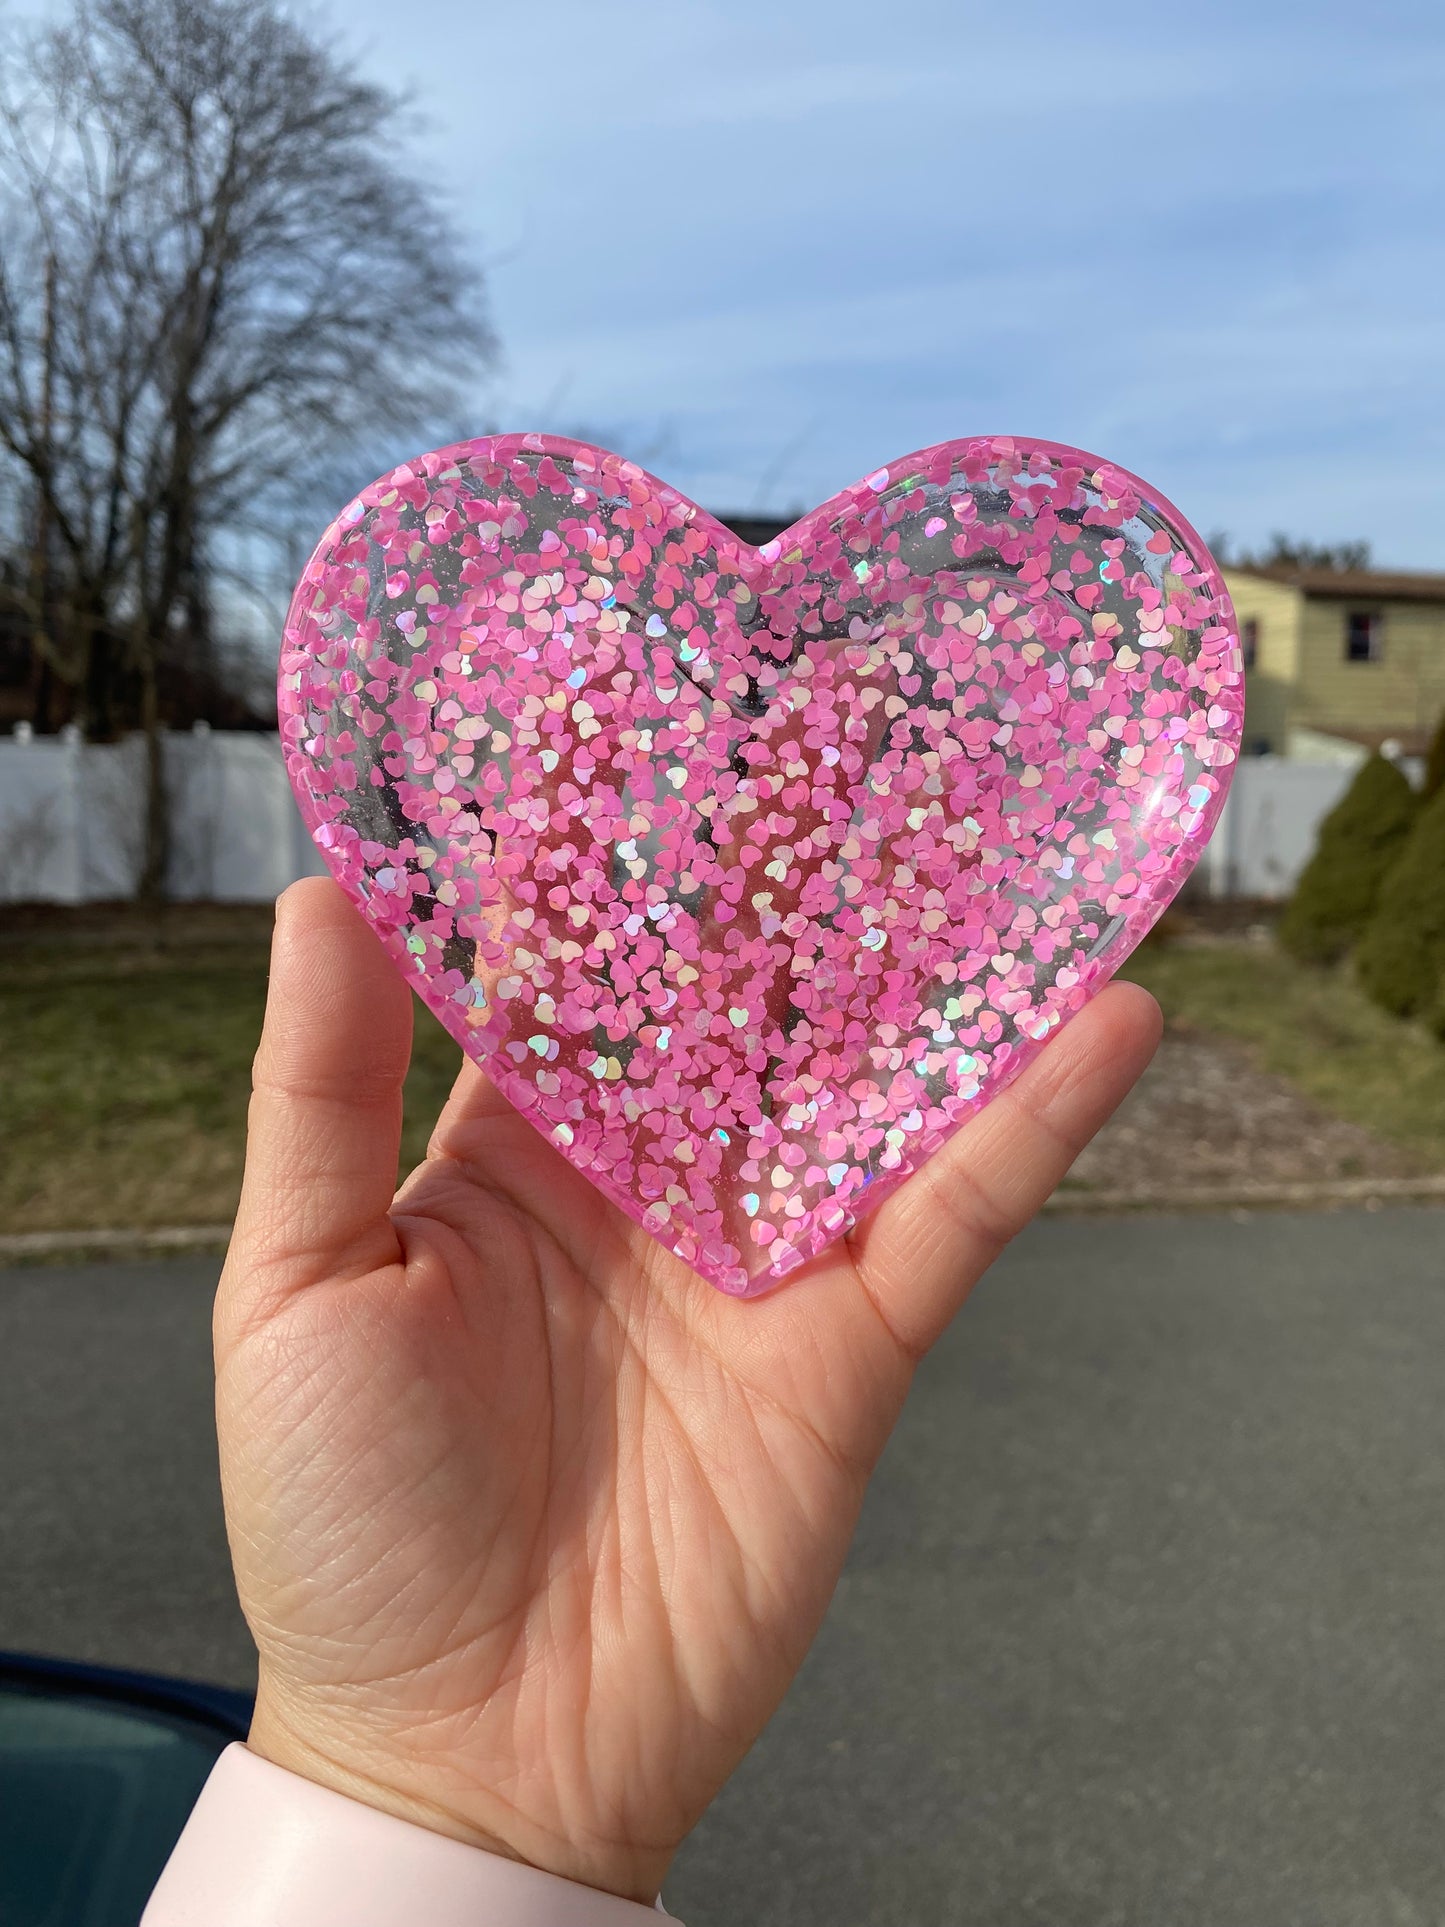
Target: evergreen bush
[
  {"x": 1401, "y": 957},
  {"x": 1358, "y": 841}
]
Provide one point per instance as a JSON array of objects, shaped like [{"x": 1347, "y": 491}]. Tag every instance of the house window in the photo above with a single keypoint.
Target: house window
[
  {"x": 1363, "y": 635},
  {"x": 1249, "y": 641}
]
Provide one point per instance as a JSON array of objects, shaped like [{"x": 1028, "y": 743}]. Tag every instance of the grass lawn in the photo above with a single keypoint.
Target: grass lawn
[
  {"x": 1313, "y": 1027},
  {"x": 124, "y": 1070},
  {"x": 124, "y": 1080}
]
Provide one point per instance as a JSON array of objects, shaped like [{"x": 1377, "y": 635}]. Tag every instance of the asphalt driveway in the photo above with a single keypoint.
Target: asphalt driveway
[{"x": 1145, "y": 1621}]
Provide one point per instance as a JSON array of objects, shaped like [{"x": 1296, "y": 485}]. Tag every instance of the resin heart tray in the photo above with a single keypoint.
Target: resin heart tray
[{"x": 750, "y": 873}]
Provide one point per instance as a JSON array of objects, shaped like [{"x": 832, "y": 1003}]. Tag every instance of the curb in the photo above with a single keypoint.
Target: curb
[
  {"x": 1244, "y": 1197},
  {"x": 1224, "y": 1197},
  {"x": 64, "y": 1244}
]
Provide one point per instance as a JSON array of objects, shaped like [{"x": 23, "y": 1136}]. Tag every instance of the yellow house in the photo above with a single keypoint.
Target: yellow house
[{"x": 1337, "y": 660}]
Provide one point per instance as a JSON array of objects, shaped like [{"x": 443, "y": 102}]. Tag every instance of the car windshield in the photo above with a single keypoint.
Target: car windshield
[{"x": 92, "y": 1796}]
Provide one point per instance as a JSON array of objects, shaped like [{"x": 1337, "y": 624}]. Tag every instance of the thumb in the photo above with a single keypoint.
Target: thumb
[{"x": 325, "y": 1119}]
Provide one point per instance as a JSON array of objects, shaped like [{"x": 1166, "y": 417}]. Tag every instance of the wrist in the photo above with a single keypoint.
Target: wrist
[{"x": 456, "y": 1806}]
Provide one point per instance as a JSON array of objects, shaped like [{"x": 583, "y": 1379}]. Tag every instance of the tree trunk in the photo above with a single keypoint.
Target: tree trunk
[
  {"x": 156, "y": 849},
  {"x": 42, "y": 686},
  {"x": 97, "y": 681}
]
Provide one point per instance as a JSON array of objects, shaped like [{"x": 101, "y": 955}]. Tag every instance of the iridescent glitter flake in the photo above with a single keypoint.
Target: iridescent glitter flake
[{"x": 750, "y": 874}]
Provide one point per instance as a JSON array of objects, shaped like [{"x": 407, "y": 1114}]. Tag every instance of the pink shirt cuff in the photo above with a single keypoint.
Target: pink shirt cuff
[{"x": 266, "y": 1848}]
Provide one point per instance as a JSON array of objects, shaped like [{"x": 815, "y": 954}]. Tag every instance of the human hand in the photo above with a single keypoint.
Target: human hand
[{"x": 533, "y": 1527}]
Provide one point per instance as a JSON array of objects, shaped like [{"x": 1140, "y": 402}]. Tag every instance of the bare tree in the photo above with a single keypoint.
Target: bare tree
[{"x": 215, "y": 277}]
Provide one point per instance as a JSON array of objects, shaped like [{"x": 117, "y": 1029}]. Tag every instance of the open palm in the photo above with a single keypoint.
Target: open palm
[{"x": 532, "y": 1527}]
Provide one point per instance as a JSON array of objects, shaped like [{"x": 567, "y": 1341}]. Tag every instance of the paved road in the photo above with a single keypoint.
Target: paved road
[{"x": 1145, "y": 1621}]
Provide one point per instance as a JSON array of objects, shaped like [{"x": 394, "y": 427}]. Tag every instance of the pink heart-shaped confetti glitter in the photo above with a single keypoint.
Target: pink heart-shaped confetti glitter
[{"x": 749, "y": 874}]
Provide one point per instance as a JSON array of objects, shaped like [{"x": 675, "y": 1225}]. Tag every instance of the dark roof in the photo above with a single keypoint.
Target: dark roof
[
  {"x": 755, "y": 529},
  {"x": 1352, "y": 585}
]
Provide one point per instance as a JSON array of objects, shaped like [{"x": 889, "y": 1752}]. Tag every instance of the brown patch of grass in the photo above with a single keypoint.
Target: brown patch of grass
[{"x": 1315, "y": 1027}]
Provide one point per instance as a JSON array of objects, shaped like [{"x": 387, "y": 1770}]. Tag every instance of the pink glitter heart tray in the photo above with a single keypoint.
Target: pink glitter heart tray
[{"x": 751, "y": 873}]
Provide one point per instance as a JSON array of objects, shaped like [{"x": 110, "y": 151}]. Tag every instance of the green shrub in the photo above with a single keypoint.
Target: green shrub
[
  {"x": 1358, "y": 841},
  {"x": 1401, "y": 956}
]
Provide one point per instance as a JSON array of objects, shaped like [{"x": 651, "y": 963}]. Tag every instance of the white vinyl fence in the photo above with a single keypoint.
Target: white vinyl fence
[
  {"x": 1267, "y": 832},
  {"x": 71, "y": 815}
]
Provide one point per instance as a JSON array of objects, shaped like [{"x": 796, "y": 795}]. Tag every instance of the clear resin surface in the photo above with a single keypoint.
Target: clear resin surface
[{"x": 749, "y": 874}]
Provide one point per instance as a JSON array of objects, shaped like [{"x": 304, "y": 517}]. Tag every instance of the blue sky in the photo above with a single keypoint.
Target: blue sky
[{"x": 765, "y": 247}]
